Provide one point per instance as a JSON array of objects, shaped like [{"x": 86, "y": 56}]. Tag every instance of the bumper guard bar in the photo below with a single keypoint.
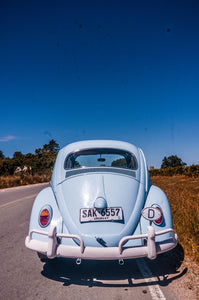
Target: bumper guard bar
[{"x": 52, "y": 249}]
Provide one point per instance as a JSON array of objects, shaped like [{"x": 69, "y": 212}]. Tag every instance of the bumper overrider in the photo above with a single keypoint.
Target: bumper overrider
[{"x": 53, "y": 249}]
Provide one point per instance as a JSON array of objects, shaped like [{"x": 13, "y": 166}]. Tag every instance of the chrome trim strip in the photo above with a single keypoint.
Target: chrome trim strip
[{"x": 74, "y": 172}]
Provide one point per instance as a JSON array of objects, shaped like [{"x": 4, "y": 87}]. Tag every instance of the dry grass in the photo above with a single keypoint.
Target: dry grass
[
  {"x": 183, "y": 195},
  {"x": 11, "y": 181}
]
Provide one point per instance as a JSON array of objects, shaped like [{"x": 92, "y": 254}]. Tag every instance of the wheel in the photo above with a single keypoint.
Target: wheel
[{"x": 42, "y": 256}]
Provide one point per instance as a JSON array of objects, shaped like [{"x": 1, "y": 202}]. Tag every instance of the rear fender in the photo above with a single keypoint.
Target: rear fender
[
  {"x": 157, "y": 197},
  {"x": 45, "y": 197}
]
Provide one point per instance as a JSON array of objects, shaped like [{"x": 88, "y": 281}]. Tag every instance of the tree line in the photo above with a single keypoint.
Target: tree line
[
  {"x": 173, "y": 165},
  {"x": 40, "y": 162}
]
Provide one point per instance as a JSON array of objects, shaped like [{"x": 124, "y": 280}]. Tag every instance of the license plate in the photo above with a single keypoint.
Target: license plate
[{"x": 101, "y": 214}]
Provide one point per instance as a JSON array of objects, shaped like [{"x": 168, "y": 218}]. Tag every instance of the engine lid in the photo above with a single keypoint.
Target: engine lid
[{"x": 92, "y": 194}]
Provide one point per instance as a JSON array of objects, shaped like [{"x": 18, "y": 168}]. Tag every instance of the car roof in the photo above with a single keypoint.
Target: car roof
[{"x": 87, "y": 144}]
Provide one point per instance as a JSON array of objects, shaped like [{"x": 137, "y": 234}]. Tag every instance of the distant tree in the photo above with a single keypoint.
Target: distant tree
[
  {"x": 30, "y": 162},
  {"x": 52, "y": 146},
  {"x": 7, "y": 166},
  {"x": 1, "y": 155},
  {"x": 120, "y": 163},
  {"x": 38, "y": 152},
  {"x": 18, "y": 155},
  {"x": 172, "y": 161},
  {"x": 49, "y": 154},
  {"x": 18, "y": 159}
]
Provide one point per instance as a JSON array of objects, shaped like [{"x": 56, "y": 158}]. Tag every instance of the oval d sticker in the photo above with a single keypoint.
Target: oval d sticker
[{"x": 151, "y": 213}]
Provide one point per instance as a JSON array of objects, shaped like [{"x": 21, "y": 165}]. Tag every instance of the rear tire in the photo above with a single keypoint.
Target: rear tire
[{"x": 42, "y": 257}]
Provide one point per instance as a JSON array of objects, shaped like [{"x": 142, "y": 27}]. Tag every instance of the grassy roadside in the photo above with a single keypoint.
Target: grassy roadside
[
  {"x": 23, "y": 179},
  {"x": 183, "y": 196}
]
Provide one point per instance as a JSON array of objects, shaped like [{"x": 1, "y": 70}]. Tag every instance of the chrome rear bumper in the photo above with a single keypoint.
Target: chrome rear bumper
[{"x": 53, "y": 249}]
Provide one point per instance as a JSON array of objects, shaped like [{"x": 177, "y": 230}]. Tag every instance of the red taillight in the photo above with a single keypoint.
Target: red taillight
[
  {"x": 45, "y": 216},
  {"x": 160, "y": 220}
]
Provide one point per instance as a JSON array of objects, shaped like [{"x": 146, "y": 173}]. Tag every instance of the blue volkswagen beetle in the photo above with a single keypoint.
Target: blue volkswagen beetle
[{"x": 101, "y": 205}]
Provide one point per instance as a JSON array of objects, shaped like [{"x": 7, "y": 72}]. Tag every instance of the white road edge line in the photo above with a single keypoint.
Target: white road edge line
[
  {"x": 8, "y": 204},
  {"x": 22, "y": 187},
  {"x": 154, "y": 289}
]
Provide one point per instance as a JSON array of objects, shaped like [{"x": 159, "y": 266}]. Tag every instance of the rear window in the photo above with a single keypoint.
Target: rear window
[{"x": 101, "y": 158}]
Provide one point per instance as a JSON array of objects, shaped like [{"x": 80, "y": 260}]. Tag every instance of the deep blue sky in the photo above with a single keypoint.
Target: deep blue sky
[{"x": 75, "y": 70}]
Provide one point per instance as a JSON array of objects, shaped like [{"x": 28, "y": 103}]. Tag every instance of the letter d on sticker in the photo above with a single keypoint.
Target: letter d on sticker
[{"x": 151, "y": 213}]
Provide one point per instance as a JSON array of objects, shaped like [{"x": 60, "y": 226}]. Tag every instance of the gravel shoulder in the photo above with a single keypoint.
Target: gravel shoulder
[
  {"x": 187, "y": 286},
  {"x": 179, "y": 272}
]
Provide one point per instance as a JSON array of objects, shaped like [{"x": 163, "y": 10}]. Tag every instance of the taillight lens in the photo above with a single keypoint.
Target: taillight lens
[
  {"x": 160, "y": 220},
  {"x": 45, "y": 216}
]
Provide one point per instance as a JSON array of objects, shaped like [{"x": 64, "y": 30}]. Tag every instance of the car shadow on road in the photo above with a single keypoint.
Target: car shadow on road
[{"x": 111, "y": 274}]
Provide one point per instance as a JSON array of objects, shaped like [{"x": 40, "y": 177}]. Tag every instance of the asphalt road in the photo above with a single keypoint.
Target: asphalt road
[{"x": 24, "y": 276}]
